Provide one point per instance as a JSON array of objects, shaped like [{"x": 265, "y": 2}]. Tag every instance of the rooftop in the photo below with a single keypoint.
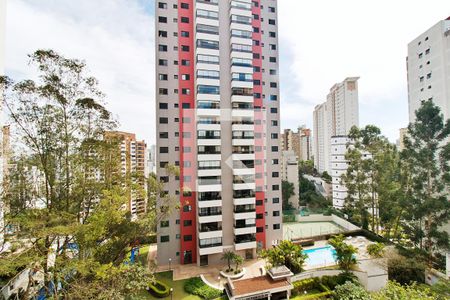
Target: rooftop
[{"x": 258, "y": 284}]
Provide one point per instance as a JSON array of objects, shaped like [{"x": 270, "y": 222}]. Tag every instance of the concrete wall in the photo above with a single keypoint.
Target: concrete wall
[{"x": 370, "y": 283}]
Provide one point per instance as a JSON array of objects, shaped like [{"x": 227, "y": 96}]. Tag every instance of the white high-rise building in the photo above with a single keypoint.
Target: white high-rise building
[
  {"x": 335, "y": 117},
  {"x": 289, "y": 173},
  {"x": 217, "y": 86},
  {"x": 339, "y": 166},
  {"x": 428, "y": 65}
]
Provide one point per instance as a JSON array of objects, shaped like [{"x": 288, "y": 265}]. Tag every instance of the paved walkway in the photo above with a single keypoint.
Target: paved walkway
[{"x": 211, "y": 272}]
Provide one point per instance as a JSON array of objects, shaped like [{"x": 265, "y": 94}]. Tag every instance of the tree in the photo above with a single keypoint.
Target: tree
[
  {"x": 287, "y": 191},
  {"x": 375, "y": 250},
  {"x": 394, "y": 290},
  {"x": 326, "y": 177},
  {"x": 345, "y": 253},
  {"x": 306, "y": 167},
  {"x": 228, "y": 256},
  {"x": 238, "y": 260},
  {"x": 373, "y": 180},
  {"x": 84, "y": 229},
  {"x": 426, "y": 157},
  {"x": 286, "y": 253},
  {"x": 350, "y": 291}
]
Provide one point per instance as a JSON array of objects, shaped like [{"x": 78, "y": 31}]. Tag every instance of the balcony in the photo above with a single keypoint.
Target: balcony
[
  {"x": 244, "y": 215},
  {"x": 244, "y": 209},
  {"x": 208, "y": 212},
  {"x": 240, "y": 229},
  {"x": 245, "y": 241},
  {"x": 210, "y": 250},
  {"x": 244, "y": 201},
  {"x": 210, "y": 227},
  {"x": 210, "y": 219},
  {"x": 208, "y": 204}
]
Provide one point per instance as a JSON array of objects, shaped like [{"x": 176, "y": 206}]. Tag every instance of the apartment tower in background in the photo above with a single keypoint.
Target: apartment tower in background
[
  {"x": 133, "y": 165},
  {"x": 428, "y": 68},
  {"x": 334, "y": 117},
  {"x": 289, "y": 173},
  {"x": 299, "y": 142},
  {"x": 217, "y": 102}
]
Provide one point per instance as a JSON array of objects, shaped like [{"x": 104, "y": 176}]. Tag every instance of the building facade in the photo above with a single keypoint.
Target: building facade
[
  {"x": 401, "y": 138},
  {"x": 428, "y": 69},
  {"x": 217, "y": 102},
  {"x": 334, "y": 117},
  {"x": 299, "y": 142},
  {"x": 289, "y": 173},
  {"x": 132, "y": 166},
  {"x": 339, "y": 166}
]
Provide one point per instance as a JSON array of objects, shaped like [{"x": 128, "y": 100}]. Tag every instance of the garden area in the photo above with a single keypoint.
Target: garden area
[{"x": 187, "y": 289}]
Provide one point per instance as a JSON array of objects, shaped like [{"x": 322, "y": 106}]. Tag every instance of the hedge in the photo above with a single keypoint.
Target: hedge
[
  {"x": 323, "y": 284},
  {"x": 315, "y": 296},
  {"x": 159, "y": 289},
  {"x": 196, "y": 286}
]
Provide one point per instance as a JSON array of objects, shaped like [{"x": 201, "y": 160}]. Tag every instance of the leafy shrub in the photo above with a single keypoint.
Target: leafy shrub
[
  {"x": 196, "y": 286},
  {"x": 159, "y": 289},
  {"x": 350, "y": 291},
  {"x": 322, "y": 295},
  {"x": 375, "y": 250},
  {"x": 307, "y": 285},
  {"x": 406, "y": 270}
]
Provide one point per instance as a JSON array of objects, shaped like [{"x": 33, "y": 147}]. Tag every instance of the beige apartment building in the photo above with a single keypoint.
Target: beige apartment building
[
  {"x": 299, "y": 142},
  {"x": 132, "y": 167},
  {"x": 335, "y": 117},
  {"x": 217, "y": 103}
]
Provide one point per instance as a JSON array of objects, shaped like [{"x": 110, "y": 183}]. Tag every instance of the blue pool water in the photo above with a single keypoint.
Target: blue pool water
[{"x": 318, "y": 257}]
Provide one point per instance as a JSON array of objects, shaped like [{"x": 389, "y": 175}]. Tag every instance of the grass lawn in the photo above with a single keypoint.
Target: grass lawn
[{"x": 178, "y": 289}]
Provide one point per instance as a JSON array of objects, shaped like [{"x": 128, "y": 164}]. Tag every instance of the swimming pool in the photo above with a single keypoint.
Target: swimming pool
[{"x": 318, "y": 257}]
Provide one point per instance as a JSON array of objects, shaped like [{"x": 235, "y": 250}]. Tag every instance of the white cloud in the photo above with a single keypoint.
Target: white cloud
[
  {"x": 324, "y": 41},
  {"x": 321, "y": 42},
  {"x": 115, "y": 37}
]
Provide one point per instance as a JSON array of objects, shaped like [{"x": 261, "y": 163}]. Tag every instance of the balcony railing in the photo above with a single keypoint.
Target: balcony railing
[
  {"x": 244, "y": 210},
  {"x": 209, "y": 214},
  {"x": 246, "y": 240},
  {"x": 210, "y": 245},
  {"x": 244, "y": 225},
  {"x": 210, "y": 228}
]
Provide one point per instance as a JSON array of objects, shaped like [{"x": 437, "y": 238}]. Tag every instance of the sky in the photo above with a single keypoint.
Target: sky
[{"x": 321, "y": 42}]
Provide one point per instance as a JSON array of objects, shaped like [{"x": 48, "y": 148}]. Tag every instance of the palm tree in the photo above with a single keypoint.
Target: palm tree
[
  {"x": 238, "y": 260},
  {"x": 229, "y": 256},
  {"x": 286, "y": 253},
  {"x": 345, "y": 254}
]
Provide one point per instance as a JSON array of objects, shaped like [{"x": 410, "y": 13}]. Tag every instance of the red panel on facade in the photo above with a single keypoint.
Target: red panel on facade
[
  {"x": 259, "y": 126},
  {"x": 188, "y": 249}
]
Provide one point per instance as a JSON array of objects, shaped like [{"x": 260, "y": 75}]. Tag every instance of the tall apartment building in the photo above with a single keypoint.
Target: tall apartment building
[
  {"x": 429, "y": 75},
  {"x": 334, "y": 117},
  {"x": 428, "y": 69},
  {"x": 2, "y": 72},
  {"x": 218, "y": 119},
  {"x": 289, "y": 173},
  {"x": 133, "y": 165},
  {"x": 299, "y": 142},
  {"x": 401, "y": 138},
  {"x": 339, "y": 166}
]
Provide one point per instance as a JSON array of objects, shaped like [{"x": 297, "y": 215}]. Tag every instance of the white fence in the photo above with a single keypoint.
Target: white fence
[
  {"x": 370, "y": 283},
  {"x": 333, "y": 218}
]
